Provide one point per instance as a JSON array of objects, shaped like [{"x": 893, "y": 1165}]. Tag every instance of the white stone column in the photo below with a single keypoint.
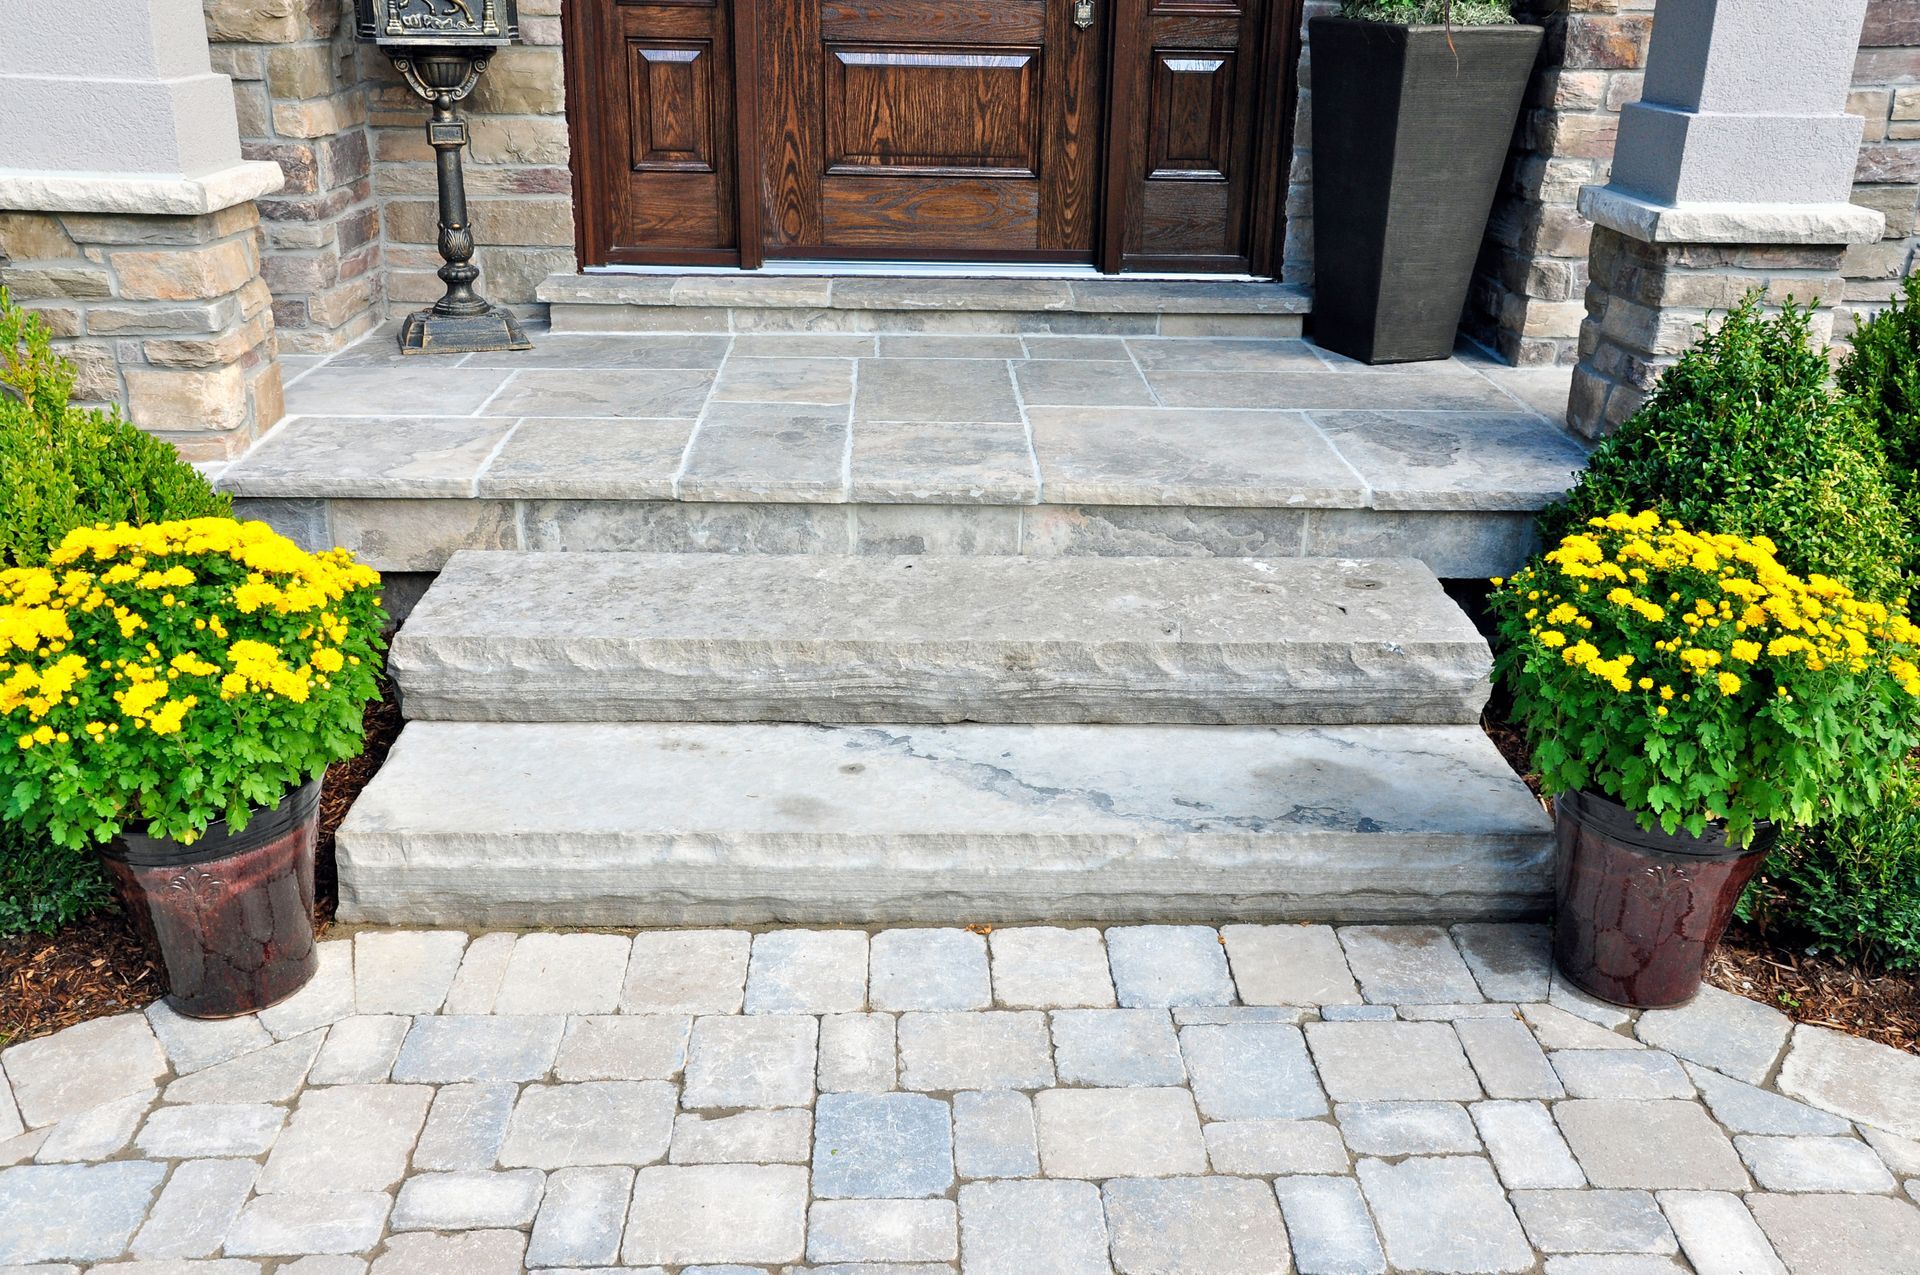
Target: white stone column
[
  {"x": 127, "y": 217},
  {"x": 1732, "y": 173}
]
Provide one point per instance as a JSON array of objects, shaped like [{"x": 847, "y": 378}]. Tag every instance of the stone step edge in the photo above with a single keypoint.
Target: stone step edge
[{"x": 929, "y": 295}]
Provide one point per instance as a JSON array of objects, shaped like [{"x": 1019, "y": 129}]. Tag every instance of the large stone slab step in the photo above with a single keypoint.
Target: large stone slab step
[
  {"x": 715, "y": 637},
  {"x": 753, "y": 301},
  {"x": 473, "y": 824}
]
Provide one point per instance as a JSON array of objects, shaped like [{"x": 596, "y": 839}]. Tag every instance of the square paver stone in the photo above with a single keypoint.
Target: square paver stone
[
  {"x": 581, "y": 1217},
  {"x": 767, "y": 451},
  {"x": 993, "y": 1135},
  {"x": 1289, "y": 965},
  {"x": 1371, "y": 1062},
  {"x": 77, "y": 1212},
  {"x": 1118, "y": 1133},
  {"x": 881, "y": 1145},
  {"x": 1511, "y": 962},
  {"x": 1157, "y": 966},
  {"x": 857, "y": 1053},
  {"x": 1045, "y": 967},
  {"x": 466, "y": 1127},
  {"x": 686, "y": 972},
  {"x": 1251, "y": 1071},
  {"x": 595, "y": 1122},
  {"x": 973, "y": 391},
  {"x": 83, "y": 1067},
  {"x": 934, "y": 969},
  {"x": 564, "y": 974},
  {"x": 1445, "y": 1214},
  {"x": 1860, "y": 1079},
  {"x": 1408, "y": 965},
  {"x": 1197, "y": 1226},
  {"x": 405, "y": 971},
  {"x": 1003, "y": 1049},
  {"x": 1654, "y": 1145},
  {"x": 808, "y": 972},
  {"x": 347, "y": 1138},
  {"x": 942, "y": 462},
  {"x": 1018, "y": 1228},
  {"x": 751, "y": 1214},
  {"x": 752, "y": 1061},
  {"x": 1116, "y": 1047},
  {"x": 1731, "y": 1034},
  {"x": 465, "y": 1048},
  {"x": 1840, "y": 1234},
  {"x": 1329, "y": 1227}
]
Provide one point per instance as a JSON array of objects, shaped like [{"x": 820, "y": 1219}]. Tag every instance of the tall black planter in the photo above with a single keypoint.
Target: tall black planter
[{"x": 1409, "y": 136}]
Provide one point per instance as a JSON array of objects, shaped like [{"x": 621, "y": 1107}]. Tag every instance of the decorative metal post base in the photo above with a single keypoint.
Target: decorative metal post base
[{"x": 429, "y": 332}]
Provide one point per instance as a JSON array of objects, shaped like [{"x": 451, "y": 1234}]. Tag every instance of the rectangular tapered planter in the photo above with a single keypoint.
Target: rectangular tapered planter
[{"x": 1410, "y": 129}]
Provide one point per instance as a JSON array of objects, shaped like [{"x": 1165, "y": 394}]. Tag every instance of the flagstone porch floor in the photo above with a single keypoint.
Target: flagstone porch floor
[
  {"x": 834, "y": 442},
  {"x": 1151, "y": 1100}
]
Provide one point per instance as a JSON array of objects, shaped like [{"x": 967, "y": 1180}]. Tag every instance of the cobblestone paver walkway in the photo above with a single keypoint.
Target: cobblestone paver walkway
[{"x": 1152, "y": 1100}]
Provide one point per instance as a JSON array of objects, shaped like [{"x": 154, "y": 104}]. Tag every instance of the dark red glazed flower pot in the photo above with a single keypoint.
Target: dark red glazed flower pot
[
  {"x": 230, "y": 916},
  {"x": 1639, "y": 913}
]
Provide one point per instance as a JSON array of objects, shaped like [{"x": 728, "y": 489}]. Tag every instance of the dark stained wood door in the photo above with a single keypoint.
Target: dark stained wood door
[{"x": 931, "y": 129}]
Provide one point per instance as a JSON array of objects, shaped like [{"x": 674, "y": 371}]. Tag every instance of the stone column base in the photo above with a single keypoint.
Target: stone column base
[{"x": 167, "y": 315}]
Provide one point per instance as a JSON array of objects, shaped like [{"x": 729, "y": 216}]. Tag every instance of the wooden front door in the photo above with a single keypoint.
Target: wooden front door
[{"x": 1131, "y": 134}]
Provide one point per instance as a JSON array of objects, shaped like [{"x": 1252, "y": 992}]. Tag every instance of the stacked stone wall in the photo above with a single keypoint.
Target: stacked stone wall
[{"x": 1887, "y": 94}]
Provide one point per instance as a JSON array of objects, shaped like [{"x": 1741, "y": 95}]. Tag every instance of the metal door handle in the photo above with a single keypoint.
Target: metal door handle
[{"x": 1083, "y": 13}]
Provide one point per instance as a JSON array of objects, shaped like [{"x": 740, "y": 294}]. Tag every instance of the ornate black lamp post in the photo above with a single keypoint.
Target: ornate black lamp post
[{"x": 441, "y": 47}]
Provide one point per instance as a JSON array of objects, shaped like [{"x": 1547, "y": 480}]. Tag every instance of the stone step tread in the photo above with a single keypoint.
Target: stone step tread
[
  {"x": 713, "y": 637},
  {"x": 867, "y": 292},
  {"x": 582, "y": 823}
]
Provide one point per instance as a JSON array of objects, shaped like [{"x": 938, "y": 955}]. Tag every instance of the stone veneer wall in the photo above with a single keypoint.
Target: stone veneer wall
[
  {"x": 168, "y": 315},
  {"x": 301, "y": 105},
  {"x": 1887, "y": 93}
]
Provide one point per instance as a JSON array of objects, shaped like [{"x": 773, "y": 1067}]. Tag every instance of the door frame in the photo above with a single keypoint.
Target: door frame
[{"x": 589, "y": 94}]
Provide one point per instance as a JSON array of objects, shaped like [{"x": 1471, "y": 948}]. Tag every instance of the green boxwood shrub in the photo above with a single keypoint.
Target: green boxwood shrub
[
  {"x": 1747, "y": 434},
  {"x": 61, "y": 468},
  {"x": 1413, "y": 13},
  {"x": 1882, "y": 373}
]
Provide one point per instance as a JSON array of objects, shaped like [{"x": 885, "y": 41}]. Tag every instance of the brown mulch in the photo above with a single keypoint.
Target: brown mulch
[
  {"x": 1820, "y": 989},
  {"x": 98, "y": 966}
]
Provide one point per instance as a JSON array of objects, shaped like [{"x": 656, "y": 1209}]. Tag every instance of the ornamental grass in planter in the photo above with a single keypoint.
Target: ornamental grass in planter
[
  {"x": 171, "y": 695},
  {"x": 1686, "y": 696}
]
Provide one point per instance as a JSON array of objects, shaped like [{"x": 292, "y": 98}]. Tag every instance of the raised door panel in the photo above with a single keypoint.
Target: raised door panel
[
  {"x": 1191, "y": 133},
  {"x": 938, "y": 111},
  {"x": 672, "y": 104}
]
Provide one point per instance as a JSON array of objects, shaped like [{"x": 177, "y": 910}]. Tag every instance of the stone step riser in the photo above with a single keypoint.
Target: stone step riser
[
  {"x": 569, "y": 317},
  {"x": 646, "y": 637}
]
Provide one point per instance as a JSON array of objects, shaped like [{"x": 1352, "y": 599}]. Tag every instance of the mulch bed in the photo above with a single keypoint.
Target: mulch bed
[{"x": 98, "y": 966}]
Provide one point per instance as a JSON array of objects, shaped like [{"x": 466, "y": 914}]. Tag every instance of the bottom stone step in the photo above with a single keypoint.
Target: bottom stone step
[{"x": 644, "y": 824}]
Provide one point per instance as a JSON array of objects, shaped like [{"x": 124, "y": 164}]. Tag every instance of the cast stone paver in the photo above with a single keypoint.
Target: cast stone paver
[
  {"x": 1251, "y": 1071},
  {"x": 1718, "y": 1234},
  {"x": 1840, "y": 1234},
  {"x": 360, "y": 1050},
  {"x": 347, "y": 1138},
  {"x": 466, "y": 1127},
  {"x": 470, "y": 1200},
  {"x": 1289, "y": 965},
  {"x": 751, "y": 1137},
  {"x": 1116, "y": 1047},
  {"x": 623, "y": 1047},
  {"x": 1444, "y": 1214},
  {"x": 883, "y": 1231},
  {"x": 1556, "y": 1028},
  {"x": 1508, "y": 1060},
  {"x": 194, "y": 1044},
  {"x": 321, "y": 1003},
  {"x": 1263, "y": 1148},
  {"x": 858, "y": 1052},
  {"x": 82, "y": 1067},
  {"x": 890, "y": 1145},
  {"x": 595, "y": 1122},
  {"x": 1207, "y": 1226},
  {"x": 1526, "y": 1147},
  {"x": 1610, "y": 1073},
  {"x": 77, "y": 1212},
  {"x": 208, "y": 1129},
  {"x": 1731, "y": 1034},
  {"x": 1900, "y": 1154},
  {"x": 1156, "y": 966},
  {"x": 476, "y": 987},
  {"x": 564, "y": 974},
  {"x": 293, "y": 1225},
  {"x": 581, "y": 1217},
  {"x": 1813, "y": 1164},
  {"x": 1659, "y": 1145},
  {"x": 1329, "y": 1227},
  {"x": 1510, "y": 962},
  {"x": 807, "y": 972},
  {"x": 195, "y": 1210},
  {"x": 462, "y": 1048},
  {"x": 1594, "y": 1222},
  {"x": 1407, "y": 1128},
  {"x": 98, "y": 1134},
  {"x": 1385, "y": 1062},
  {"x": 686, "y": 972},
  {"x": 994, "y": 1136},
  {"x": 405, "y": 971},
  {"x": 1000, "y": 1049},
  {"x": 1117, "y": 1133},
  {"x": 765, "y": 1061},
  {"x": 1745, "y": 1108},
  {"x": 928, "y": 969},
  {"x": 273, "y": 1074},
  {"x": 1016, "y": 1228},
  {"x": 1408, "y": 965},
  {"x": 469, "y": 1252},
  {"x": 1044, "y": 967},
  {"x": 1860, "y": 1079},
  {"x": 688, "y": 1215}
]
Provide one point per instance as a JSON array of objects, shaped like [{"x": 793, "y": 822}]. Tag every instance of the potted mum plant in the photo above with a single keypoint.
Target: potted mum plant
[
  {"x": 1686, "y": 696},
  {"x": 171, "y": 696},
  {"x": 1414, "y": 103}
]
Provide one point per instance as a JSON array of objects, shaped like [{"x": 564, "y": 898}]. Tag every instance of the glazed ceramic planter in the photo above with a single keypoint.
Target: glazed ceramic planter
[
  {"x": 1637, "y": 913},
  {"x": 1410, "y": 132},
  {"x": 230, "y": 917}
]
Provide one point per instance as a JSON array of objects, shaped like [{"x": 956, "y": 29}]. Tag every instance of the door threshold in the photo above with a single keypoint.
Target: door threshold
[{"x": 932, "y": 270}]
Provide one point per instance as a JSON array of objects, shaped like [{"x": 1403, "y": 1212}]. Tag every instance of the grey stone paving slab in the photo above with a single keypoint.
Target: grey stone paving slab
[
  {"x": 21, "y": 1149},
  {"x": 747, "y": 1213},
  {"x": 328, "y": 390},
  {"x": 292, "y": 1225},
  {"x": 466, "y": 1126},
  {"x": 469, "y": 1252},
  {"x": 405, "y": 971},
  {"x": 836, "y": 345},
  {"x": 1153, "y": 456},
  {"x": 655, "y": 393},
  {"x": 940, "y": 345},
  {"x": 883, "y": 1231},
  {"x": 1330, "y": 1229},
  {"x": 1840, "y": 1234},
  {"x": 1289, "y": 965},
  {"x": 857, "y": 1053},
  {"x": 1578, "y": 1003},
  {"x": 765, "y": 1061},
  {"x": 595, "y": 1122},
  {"x": 751, "y": 1137},
  {"x": 1262, "y": 1148},
  {"x": 1594, "y": 1222},
  {"x": 767, "y": 451},
  {"x": 1209, "y": 1226},
  {"x": 943, "y": 462},
  {"x": 892, "y": 1145},
  {"x": 819, "y": 381},
  {"x": 1860, "y": 1079},
  {"x": 468, "y": 1201},
  {"x": 1113, "y": 1133},
  {"x": 1507, "y": 1058},
  {"x": 1358, "y": 1013},
  {"x": 1047, "y": 967},
  {"x": 1385, "y": 1062},
  {"x": 1251, "y": 1071},
  {"x": 1201, "y": 354},
  {"x": 930, "y": 969},
  {"x": 1900, "y": 1154},
  {"x": 1526, "y": 1147},
  {"x": 686, "y": 972},
  {"x": 1555, "y": 1028},
  {"x": 1116, "y": 1047},
  {"x": 581, "y": 1217},
  {"x": 1611, "y": 1073},
  {"x": 994, "y": 1136},
  {"x": 1813, "y": 1164},
  {"x": 934, "y": 390},
  {"x": 1407, "y": 1128},
  {"x": 1095, "y": 349},
  {"x": 1661, "y": 1145},
  {"x": 1053, "y": 382},
  {"x": 1444, "y": 389},
  {"x": 1444, "y": 1214},
  {"x": 626, "y": 350},
  {"x": 1511, "y": 962},
  {"x": 1408, "y": 965},
  {"x": 273, "y": 1074},
  {"x": 808, "y": 972},
  {"x": 97, "y": 1134},
  {"x": 1240, "y": 1015},
  {"x": 1728, "y": 1033},
  {"x": 458, "y": 1049},
  {"x": 347, "y": 1138},
  {"x": 78, "y": 1212},
  {"x": 564, "y": 974},
  {"x": 208, "y": 1129},
  {"x": 623, "y": 1047},
  {"x": 195, "y": 1210},
  {"x": 1010, "y": 1228},
  {"x": 1163, "y": 965},
  {"x": 999, "y": 1049},
  {"x": 477, "y": 985},
  {"x": 1718, "y": 1234},
  {"x": 194, "y": 1044},
  {"x": 407, "y": 457},
  {"x": 82, "y": 1067},
  {"x": 360, "y": 1050},
  {"x": 1456, "y": 460}
]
